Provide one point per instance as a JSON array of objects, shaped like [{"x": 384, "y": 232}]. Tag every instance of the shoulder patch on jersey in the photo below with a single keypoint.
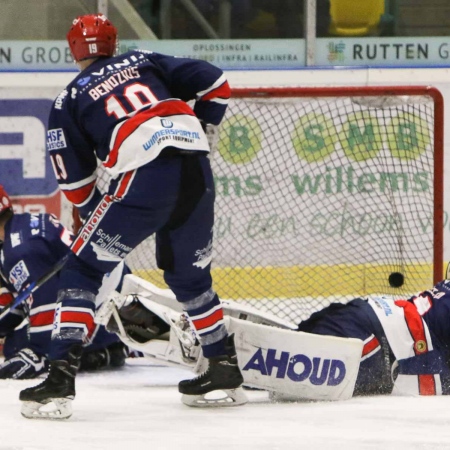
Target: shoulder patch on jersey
[
  {"x": 60, "y": 99},
  {"x": 34, "y": 220},
  {"x": 56, "y": 139},
  {"x": 83, "y": 81},
  {"x": 18, "y": 275},
  {"x": 15, "y": 239}
]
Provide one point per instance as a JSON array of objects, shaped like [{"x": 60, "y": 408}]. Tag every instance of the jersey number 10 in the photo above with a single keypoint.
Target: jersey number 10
[{"x": 137, "y": 96}]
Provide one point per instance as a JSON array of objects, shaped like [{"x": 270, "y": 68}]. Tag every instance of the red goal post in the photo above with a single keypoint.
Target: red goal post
[{"x": 324, "y": 194}]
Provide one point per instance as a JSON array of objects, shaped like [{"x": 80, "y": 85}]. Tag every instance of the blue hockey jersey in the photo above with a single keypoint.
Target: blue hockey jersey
[
  {"x": 33, "y": 244},
  {"x": 124, "y": 111},
  {"x": 418, "y": 333}
]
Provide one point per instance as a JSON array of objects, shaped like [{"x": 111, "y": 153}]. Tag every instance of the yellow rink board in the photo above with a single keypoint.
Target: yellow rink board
[{"x": 313, "y": 281}]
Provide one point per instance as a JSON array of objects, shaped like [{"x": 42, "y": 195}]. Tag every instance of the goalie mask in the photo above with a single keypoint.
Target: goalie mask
[
  {"x": 91, "y": 36},
  {"x": 5, "y": 201}
]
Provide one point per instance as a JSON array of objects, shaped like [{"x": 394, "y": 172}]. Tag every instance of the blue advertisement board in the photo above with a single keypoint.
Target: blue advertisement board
[{"x": 25, "y": 167}]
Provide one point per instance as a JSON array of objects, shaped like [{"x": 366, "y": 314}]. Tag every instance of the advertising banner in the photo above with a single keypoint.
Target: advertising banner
[
  {"x": 385, "y": 51},
  {"x": 227, "y": 54},
  {"x": 25, "y": 168},
  {"x": 249, "y": 54}
]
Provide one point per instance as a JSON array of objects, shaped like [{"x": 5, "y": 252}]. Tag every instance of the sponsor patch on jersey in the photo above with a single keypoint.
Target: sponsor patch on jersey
[
  {"x": 204, "y": 256},
  {"x": 383, "y": 303},
  {"x": 34, "y": 221},
  {"x": 15, "y": 239},
  {"x": 56, "y": 139},
  {"x": 166, "y": 123},
  {"x": 60, "y": 99},
  {"x": 83, "y": 81},
  {"x": 18, "y": 275},
  {"x": 105, "y": 255}
]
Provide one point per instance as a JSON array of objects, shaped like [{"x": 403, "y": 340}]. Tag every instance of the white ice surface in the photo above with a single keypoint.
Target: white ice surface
[{"x": 138, "y": 407}]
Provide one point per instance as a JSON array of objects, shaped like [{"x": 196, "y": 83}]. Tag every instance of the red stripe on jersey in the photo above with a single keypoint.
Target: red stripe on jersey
[
  {"x": 162, "y": 109},
  {"x": 370, "y": 346},
  {"x": 80, "y": 195},
  {"x": 124, "y": 183},
  {"x": 6, "y": 298},
  {"x": 223, "y": 91},
  {"x": 89, "y": 227},
  {"x": 415, "y": 326},
  {"x": 427, "y": 385},
  {"x": 208, "y": 321},
  {"x": 42, "y": 318}
]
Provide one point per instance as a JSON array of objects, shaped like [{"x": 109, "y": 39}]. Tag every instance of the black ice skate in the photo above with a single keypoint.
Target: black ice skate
[
  {"x": 221, "y": 381},
  {"x": 52, "y": 399}
]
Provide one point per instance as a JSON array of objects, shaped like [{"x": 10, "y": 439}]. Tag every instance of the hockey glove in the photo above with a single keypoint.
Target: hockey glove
[
  {"x": 111, "y": 356},
  {"x": 23, "y": 365},
  {"x": 212, "y": 134}
]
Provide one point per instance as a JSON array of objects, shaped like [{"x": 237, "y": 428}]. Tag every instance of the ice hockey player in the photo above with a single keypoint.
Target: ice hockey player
[
  {"x": 30, "y": 245},
  {"x": 131, "y": 112},
  {"x": 369, "y": 346}
]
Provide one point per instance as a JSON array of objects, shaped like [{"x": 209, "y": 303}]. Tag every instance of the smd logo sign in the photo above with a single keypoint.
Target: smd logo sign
[{"x": 25, "y": 168}]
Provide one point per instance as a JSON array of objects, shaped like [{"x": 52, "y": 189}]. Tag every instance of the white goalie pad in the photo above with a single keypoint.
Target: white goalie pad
[
  {"x": 271, "y": 355},
  {"x": 248, "y": 313},
  {"x": 181, "y": 347},
  {"x": 295, "y": 364},
  {"x": 132, "y": 284}
]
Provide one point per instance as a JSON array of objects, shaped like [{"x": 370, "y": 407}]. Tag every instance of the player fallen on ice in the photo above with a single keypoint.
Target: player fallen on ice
[
  {"x": 30, "y": 244},
  {"x": 369, "y": 346},
  {"x": 130, "y": 112}
]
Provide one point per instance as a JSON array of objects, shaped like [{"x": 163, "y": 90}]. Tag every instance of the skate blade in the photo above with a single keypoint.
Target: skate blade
[
  {"x": 216, "y": 399},
  {"x": 55, "y": 409}
]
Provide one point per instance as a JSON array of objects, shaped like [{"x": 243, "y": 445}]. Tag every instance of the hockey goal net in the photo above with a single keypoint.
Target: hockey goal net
[{"x": 324, "y": 194}]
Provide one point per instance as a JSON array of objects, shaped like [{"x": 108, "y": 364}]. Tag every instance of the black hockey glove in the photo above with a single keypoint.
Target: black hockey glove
[
  {"x": 112, "y": 356},
  {"x": 23, "y": 365}
]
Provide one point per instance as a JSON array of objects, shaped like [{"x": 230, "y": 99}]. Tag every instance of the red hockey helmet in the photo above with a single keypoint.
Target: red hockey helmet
[
  {"x": 91, "y": 36},
  {"x": 5, "y": 201}
]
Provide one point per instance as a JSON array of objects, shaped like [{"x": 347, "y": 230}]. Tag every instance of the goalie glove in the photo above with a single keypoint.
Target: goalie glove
[
  {"x": 140, "y": 324},
  {"x": 23, "y": 365}
]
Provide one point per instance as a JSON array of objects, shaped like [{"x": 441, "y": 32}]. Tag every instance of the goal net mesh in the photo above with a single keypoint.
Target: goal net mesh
[{"x": 320, "y": 199}]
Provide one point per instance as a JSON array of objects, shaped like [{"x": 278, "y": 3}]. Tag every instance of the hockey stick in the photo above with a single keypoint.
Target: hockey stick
[{"x": 34, "y": 286}]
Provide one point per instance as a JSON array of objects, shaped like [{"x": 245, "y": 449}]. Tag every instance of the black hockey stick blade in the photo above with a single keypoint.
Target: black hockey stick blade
[{"x": 34, "y": 286}]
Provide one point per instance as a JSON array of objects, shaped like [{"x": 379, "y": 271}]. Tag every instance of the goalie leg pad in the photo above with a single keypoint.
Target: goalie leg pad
[
  {"x": 56, "y": 409},
  {"x": 182, "y": 348},
  {"x": 215, "y": 399},
  {"x": 251, "y": 314},
  {"x": 296, "y": 364}
]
